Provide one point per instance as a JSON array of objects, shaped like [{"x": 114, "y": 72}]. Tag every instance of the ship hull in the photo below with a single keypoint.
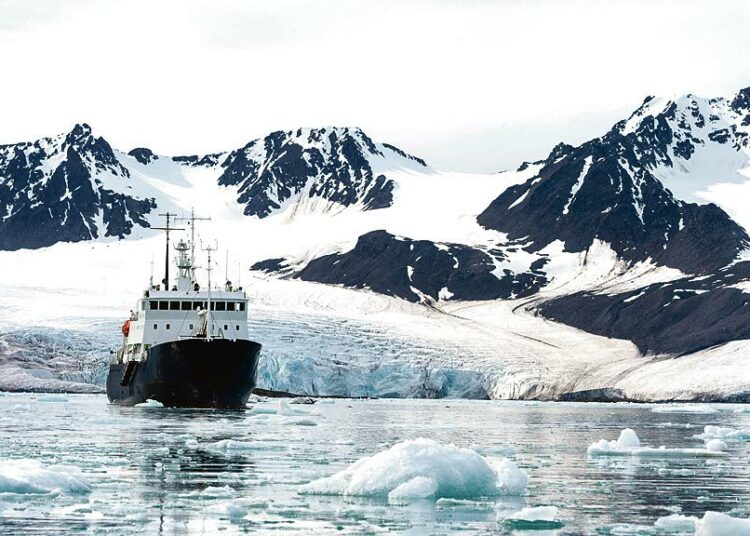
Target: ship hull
[{"x": 193, "y": 373}]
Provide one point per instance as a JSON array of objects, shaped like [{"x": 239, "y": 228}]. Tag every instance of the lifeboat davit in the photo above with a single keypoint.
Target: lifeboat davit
[{"x": 126, "y": 328}]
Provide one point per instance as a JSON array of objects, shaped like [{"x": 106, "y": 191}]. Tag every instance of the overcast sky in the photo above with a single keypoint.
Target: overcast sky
[{"x": 468, "y": 85}]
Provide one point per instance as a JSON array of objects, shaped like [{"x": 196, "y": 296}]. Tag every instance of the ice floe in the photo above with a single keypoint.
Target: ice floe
[
  {"x": 150, "y": 404},
  {"x": 688, "y": 408},
  {"x": 711, "y": 524},
  {"x": 726, "y": 434},
  {"x": 52, "y": 398},
  {"x": 26, "y": 476},
  {"x": 237, "y": 508},
  {"x": 423, "y": 468},
  {"x": 533, "y": 518},
  {"x": 628, "y": 444}
]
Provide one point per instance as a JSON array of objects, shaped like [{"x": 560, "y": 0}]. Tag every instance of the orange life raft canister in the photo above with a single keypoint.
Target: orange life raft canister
[{"x": 126, "y": 328}]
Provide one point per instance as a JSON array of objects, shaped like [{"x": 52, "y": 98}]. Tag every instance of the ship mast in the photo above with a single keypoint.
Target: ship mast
[
  {"x": 192, "y": 219},
  {"x": 209, "y": 319},
  {"x": 167, "y": 229}
]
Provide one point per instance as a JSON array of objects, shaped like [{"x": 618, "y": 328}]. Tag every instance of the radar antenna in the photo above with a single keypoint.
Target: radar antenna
[{"x": 191, "y": 222}]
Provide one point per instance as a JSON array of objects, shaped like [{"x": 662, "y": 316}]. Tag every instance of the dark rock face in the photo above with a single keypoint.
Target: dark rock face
[
  {"x": 676, "y": 318},
  {"x": 52, "y": 190},
  {"x": 605, "y": 190},
  {"x": 143, "y": 155},
  {"x": 333, "y": 165},
  {"x": 419, "y": 270}
]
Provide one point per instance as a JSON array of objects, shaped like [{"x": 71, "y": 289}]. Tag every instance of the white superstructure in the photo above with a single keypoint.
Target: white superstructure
[{"x": 186, "y": 310}]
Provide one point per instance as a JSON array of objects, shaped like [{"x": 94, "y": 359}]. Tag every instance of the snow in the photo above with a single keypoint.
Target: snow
[
  {"x": 628, "y": 444},
  {"x": 579, "y": 183},
  {"x": 27, "y": 476},
  {"x": 423, "y": 468}
]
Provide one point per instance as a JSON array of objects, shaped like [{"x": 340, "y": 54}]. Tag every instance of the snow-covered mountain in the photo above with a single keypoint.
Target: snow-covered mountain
[
  {"x": 335, "y": 167},
  {"x": 75, "y": 186},
  {"x": 634, "y": 238},
  {"x": 66, "y": 188}
]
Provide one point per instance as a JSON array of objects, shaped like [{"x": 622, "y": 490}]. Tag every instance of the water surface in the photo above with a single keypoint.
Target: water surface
[{"x": 145, "y": 480}]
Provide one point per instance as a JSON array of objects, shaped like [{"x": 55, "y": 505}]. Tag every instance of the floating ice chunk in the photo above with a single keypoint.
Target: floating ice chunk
[
  {"x": 457, "y": 472},
  {"x": 286, "y": 410},
  {"x": 419, "y": 487},
  {"x": 716, "y": 524},
  {"x": 676, "y": 523},
  {"x": 326, "y": 401},
  {"x": 300, "y": 421},
  {"x": 262, "y": 410},
  {"x": 227, "y": 446},
  {"x": 727, "y": 434},
  {"x": 52, "y": 398},
  {"x": 237, "y": 508},
  {"x": 628, "y": 439},
  {"x": 716, "y": 445},
  {"x": 150, "y": 404},
  {"x": 743, "y": 409},
  {"x": 534, "y": 518},
  {"x": 684, "y": 409},
  {"x": 217, "y": 491},
  {"x": 26, "y": 476},
  {"x": 628, "y": 444}
]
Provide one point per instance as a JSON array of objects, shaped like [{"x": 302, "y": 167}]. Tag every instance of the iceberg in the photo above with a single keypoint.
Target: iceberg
[
  {"x": 26, "y": 476},
  {"x": 423, "y": 468},
  {"x": 628, "y": 444}
]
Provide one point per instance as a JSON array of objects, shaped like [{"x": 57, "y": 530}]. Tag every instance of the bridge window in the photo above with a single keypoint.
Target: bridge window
[
  {"x": 174, "y": 305},
  {"x": 186, "y": 305},
  {"x": 242, "y": 306},
  {"x": 153, "y": 305},
  {"x": 198, "y": 305},
  {"x": 221, "y": 306},
  {"x": 163, "y": 305}
]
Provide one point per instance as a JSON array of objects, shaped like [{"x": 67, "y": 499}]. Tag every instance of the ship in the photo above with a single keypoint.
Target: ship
[{"x": 185, "y": 345}]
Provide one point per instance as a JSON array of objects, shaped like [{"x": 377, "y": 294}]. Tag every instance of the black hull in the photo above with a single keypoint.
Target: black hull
[{"x": 193, "y": 373}]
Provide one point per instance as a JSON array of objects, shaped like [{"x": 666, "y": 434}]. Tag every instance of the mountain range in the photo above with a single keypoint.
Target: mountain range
[{"x": 638, "y": 234}]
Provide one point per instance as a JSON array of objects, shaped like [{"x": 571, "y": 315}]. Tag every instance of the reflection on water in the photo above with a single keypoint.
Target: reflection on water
[{"x": 146, "y": 480}]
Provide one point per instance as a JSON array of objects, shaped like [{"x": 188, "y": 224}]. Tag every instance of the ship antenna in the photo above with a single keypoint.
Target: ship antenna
[
  {"x": 167, "y": 229},
  {"x": 209, "y": 320},
  {"x": 151, "y": 277},
  {"x": 192, "y": 219}
]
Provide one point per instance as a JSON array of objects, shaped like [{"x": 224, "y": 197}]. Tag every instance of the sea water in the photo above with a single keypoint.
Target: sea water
[{"x": 75, "y": 463}]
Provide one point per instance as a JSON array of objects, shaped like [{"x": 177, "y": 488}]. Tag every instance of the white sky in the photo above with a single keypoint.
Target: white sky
[{"x": 470, "y": 85}]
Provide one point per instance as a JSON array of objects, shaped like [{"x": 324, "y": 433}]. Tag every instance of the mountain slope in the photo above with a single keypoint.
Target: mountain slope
[
  {"x": 605, "y": 190},
  {"x": 331, "y": 167},
  {"x": 68, "y": 188}
]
